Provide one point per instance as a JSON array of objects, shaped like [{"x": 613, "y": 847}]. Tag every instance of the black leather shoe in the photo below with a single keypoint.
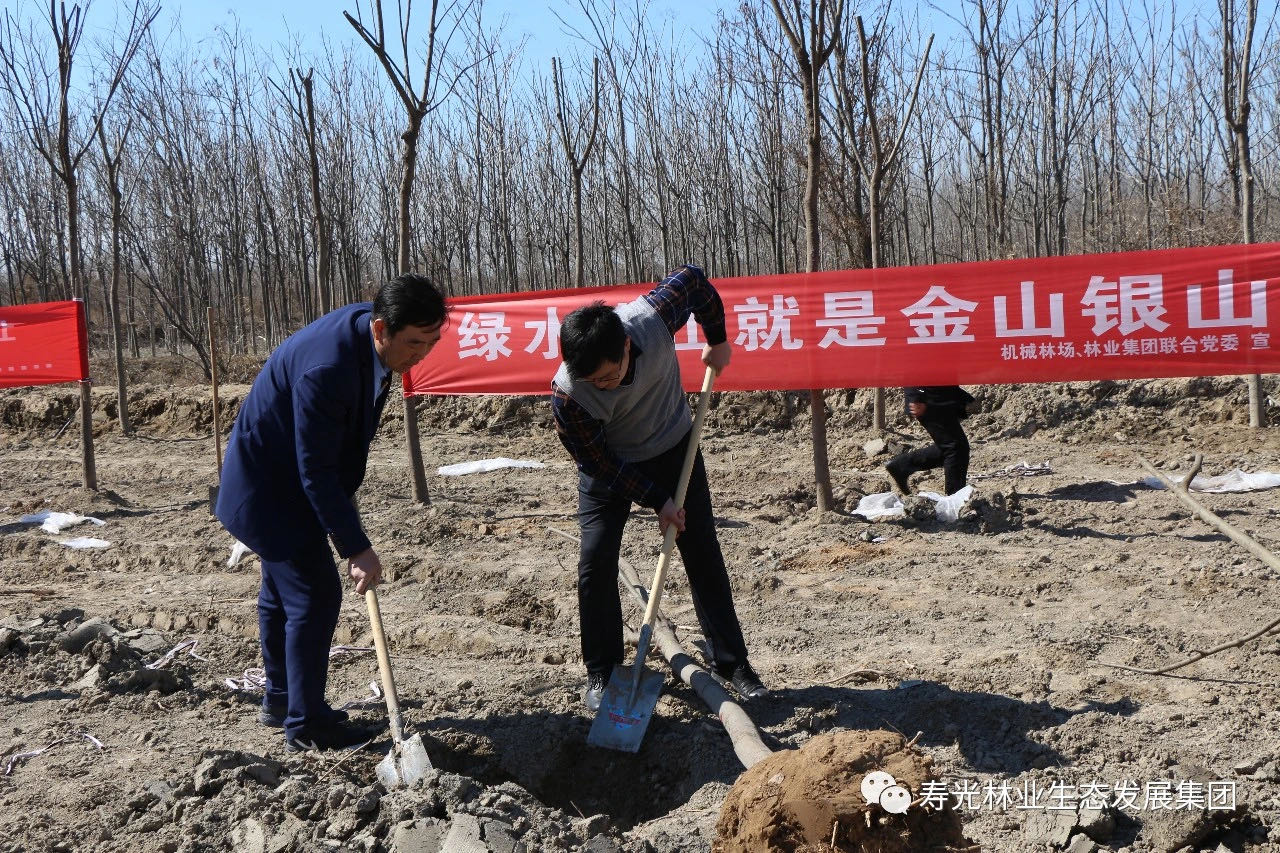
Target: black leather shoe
[
  {"x": 595, "y": 691},
  {"x": 273, "y": 716},
  {"x": 900, "y": 479},
  {"x": 744, "y": 680},
  {"x": 330, "y": 736}
]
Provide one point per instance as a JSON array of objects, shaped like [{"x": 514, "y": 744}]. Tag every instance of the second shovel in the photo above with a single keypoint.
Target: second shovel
[{"x": 407, "y": 762}]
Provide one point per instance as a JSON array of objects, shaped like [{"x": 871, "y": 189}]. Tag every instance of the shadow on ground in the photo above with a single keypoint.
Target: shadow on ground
[
  {"x": 993, "y": 732},
  {"x": 685, "y": 748}
]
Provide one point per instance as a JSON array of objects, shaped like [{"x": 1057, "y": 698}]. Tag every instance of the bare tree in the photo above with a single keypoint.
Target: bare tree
[
  {"x": 621, "y": 62},
  {"x": 168, "y": 235},
  {"x": 583, "y": 122},
  {"x": 813, "y": 35},
  {"x": 1237, "y": 77},
  {"x": 112, "y": 153},
  {"x": 302, "y": 106},
  {"x": 418, "y": 102},
  {"x": 880, "y": 159},
  {"x": 33, "y": 87},
  {"x": 1069, "y": 95}
]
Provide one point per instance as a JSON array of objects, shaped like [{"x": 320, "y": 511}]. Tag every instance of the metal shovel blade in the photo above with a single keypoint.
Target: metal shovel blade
[
  {"x": 406, "y": 763},
  {"x": 621, "y": 721}
]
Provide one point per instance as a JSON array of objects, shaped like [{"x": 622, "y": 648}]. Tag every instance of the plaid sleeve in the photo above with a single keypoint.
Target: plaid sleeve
[
  {"x": 687, "y": 291},
  {"x": 583, "y": 436}
]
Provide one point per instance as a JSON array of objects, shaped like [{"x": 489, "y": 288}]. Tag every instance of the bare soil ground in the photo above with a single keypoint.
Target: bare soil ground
[{"x": 990, "y": 638}]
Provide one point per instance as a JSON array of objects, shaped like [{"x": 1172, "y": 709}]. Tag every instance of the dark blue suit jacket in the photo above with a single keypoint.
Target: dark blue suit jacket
[{"x": 298, "y": 449}]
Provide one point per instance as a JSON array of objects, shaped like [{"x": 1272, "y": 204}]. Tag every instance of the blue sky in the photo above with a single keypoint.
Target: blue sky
[
  {"x": 272, "y": 22},
  {"x": 281, "y": 21}
]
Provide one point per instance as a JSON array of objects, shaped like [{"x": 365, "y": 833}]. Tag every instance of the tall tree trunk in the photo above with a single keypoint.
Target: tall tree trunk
[
  {"x": 1237, "y": 74},
  {"x": 324, "y": 264},
  {"x": 811, "y": 47},
  {"x": 117, "y": 217},
  {"x": 408, "y": 166}
]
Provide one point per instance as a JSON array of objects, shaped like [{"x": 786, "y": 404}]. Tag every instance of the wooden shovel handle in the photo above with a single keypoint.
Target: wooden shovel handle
[
  {"x": 384, "y": 665},
  {"x": 682, "y": 488}
]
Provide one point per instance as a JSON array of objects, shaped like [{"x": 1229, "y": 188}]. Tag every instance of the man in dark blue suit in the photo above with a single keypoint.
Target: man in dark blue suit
[{"x": 294, "y": 460}]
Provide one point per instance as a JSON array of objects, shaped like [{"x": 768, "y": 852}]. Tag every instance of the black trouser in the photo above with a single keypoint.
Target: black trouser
[
  {"x": 602, "y": 516},
  {"x": 298, "y": 606},
  {"x": 950, "y": 449}
]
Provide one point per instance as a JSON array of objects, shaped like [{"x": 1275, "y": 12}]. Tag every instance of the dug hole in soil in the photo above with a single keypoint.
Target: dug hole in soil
[{"x": 983, "y": 644}]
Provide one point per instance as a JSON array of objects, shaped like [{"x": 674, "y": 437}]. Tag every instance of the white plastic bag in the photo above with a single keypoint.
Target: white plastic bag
[
  {"x": 56, "y": 522},
  {"x": 880, "y": 506},
  {"x": 948, "y": 506},
  {"x": 1234, "y": 480},
  {"x": 481, "y": 466}
]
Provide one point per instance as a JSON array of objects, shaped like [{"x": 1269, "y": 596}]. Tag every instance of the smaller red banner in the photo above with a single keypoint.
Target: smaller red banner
[{"x": 43, "y": 344}]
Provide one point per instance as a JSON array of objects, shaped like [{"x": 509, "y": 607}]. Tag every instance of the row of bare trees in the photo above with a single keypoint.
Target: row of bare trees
[
  {"x": 269, "y": 183},
  {"x": 158, "y": 176}
]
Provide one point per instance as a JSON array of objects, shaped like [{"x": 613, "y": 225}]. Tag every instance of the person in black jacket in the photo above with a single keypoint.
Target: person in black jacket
[{"x": 939, "y": 408}]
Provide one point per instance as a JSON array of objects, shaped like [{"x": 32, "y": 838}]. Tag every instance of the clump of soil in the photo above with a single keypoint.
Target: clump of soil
[
  {"x": 811, "y": 799},
  {"x": 68, "y": 650},
  {"x": 993, "y": 513}
]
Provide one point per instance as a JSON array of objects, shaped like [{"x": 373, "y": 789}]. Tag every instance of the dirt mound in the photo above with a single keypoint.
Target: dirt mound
[
  {"x": 813, "y": 799},
  {"x": 68, "y": 650},
  {"x": 293, "y": 803},
  {"x": 1077, "y": 412},
  {"x": 153, "y": 409}
]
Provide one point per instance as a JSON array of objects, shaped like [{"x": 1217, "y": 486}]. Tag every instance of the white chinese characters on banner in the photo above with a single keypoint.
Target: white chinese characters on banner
[
  {"x": 1226, "y": 305},
  {"x": 1121, "y": 307},
  {"x": 1131, "y": 303},
  {"x": 6, "y": 333},
  {"x": 761, "y": 326},
  {"x": 484, "y": 334},
  {"x": 690, "y": 337},
  {"x": 1056, "y": 327},
  {"x": 545, "y": 331},
  {"x": 943, "y": 318},
  {"x": 850, "y": 320}
]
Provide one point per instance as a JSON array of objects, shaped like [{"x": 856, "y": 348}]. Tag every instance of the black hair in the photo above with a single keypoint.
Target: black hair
[
  {"x": 589, "y": 337},
  {"x": 409, "y": 300}
]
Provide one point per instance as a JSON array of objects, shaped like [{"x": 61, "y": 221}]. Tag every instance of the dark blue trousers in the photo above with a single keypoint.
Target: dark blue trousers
[
  {"x": 602, "y": 516},
  {"x": 298, "y": 607}
]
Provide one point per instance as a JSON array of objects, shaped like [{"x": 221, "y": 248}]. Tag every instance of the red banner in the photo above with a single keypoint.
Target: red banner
[
  {"x": 43, "y": 344},
  {"x": 1182, "y": 312}
]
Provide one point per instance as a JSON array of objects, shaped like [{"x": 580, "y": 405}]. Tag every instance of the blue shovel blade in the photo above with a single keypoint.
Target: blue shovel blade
[{"x": 620, "y": 724}]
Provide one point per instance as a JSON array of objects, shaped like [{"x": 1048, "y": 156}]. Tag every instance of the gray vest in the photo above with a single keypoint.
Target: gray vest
[{"x": 651, "y": 415}]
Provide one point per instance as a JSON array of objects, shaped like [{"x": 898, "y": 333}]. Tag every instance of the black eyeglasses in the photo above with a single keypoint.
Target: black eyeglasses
[{"x": 617, "y": 377}]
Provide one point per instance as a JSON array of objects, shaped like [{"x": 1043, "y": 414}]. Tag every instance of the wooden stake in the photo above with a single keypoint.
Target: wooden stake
[
  {"x": 213, "y": 374},
  {"x": 416, "y": 470},
  {"x": 86, "y": 435},
  {"x": 89, "y": 467}
]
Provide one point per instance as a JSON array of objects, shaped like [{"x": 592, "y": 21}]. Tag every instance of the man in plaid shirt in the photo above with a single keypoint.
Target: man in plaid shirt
[{"x": 620, "y": 411}]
